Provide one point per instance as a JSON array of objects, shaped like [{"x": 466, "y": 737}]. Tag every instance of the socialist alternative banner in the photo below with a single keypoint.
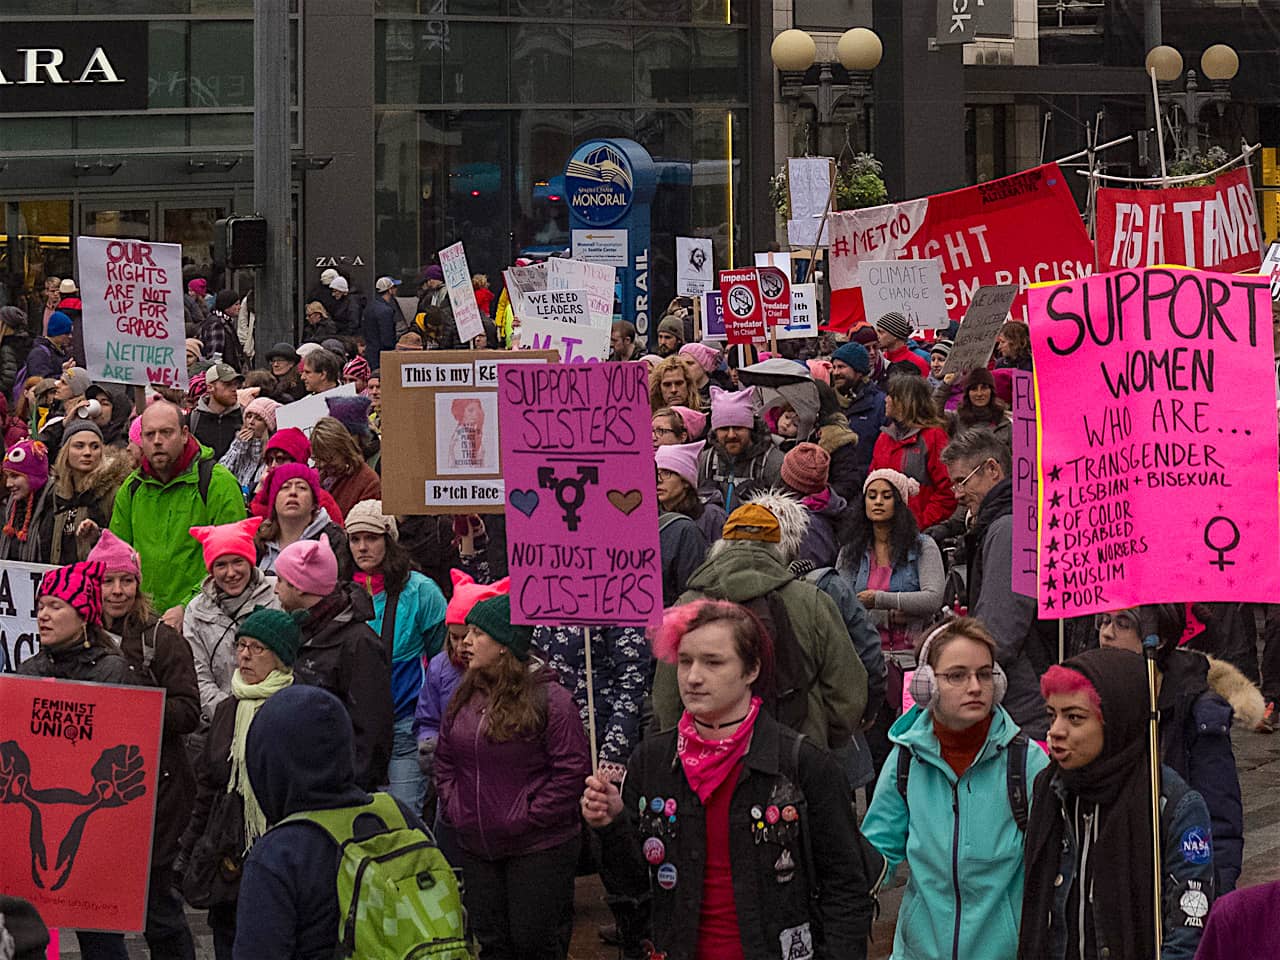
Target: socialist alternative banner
[
  {"x": 582, "y": 514},
  {"x": 1209, "y": 228},
  {"x": 78, "y": 772},
  {"x": 1157, "y": 423},
  {"x": 1022, "y": 229}
]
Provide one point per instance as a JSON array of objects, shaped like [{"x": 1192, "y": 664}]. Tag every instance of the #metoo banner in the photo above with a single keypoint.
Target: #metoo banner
[
  {"x": 1208, "y": 228},
  {"x": 582, "y": 514},
  {"x": 1023, "y": 229},
  {"x": 1156, "y": 412},
  {"x": 78, "y": 773}
]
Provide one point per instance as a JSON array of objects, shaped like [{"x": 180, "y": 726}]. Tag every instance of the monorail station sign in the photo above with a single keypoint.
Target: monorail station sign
[{"x": 90, "y": 65}]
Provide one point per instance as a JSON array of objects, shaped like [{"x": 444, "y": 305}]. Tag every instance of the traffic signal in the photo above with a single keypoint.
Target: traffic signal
[{"x": 240, "y": 242}]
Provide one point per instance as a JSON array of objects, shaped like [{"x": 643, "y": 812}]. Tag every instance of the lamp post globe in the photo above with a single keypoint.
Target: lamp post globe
[
  {"x": 1166, "y": 62},
  {"x": 793, "y": 51},
  {"x": 859, "y": 49},
  {"x": 1220, "y": 62}
]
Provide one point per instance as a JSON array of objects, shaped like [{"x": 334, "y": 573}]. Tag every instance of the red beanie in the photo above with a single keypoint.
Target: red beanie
[
  {"x": 292, "y": 442},
  {"x": 805, "y": 468},
  {"x": 292, "y": 471}
]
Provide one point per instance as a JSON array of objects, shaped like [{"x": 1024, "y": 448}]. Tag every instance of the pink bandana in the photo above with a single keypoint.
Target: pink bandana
[{"x": 707, "y": 763}]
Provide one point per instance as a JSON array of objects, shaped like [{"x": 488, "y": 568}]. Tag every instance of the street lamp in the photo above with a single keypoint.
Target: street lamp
[
  {"x": 846, "y": 82},
  {"x": 1220, "y": 64}
]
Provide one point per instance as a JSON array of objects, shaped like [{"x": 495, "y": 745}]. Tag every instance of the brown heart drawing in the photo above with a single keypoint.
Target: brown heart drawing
[{"x": 626, "y": 502}]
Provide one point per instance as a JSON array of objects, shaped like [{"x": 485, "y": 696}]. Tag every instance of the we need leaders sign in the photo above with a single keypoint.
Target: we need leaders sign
[
  {"x": 1157, "y": 423},
  {"x": 133, "y": 320}
]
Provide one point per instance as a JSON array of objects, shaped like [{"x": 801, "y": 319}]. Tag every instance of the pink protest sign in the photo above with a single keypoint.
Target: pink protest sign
[
  {"x": 1157, "y": 472},
  {"x": 582, "y": 514},
  {"x": 1024, "y": 485}
]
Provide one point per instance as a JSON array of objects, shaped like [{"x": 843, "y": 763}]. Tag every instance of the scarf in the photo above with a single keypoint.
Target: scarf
[
  {"x": 249, "y": 698},
  {"x": 961, "y": 747},
  {"x": 817, "y": 502},
  {"x": 372, "y": 583},
  {"x": 1115, "y": 787},
  {"x": 707, "y": 763}
]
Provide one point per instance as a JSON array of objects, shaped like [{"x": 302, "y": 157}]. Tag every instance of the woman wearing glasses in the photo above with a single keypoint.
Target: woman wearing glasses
[{"x": 949, "y": 804}]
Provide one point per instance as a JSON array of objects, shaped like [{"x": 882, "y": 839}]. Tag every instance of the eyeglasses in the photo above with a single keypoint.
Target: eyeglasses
[
  {"x": 960, "y": 483},
  {"x": 274, "y": 459},
  {"x": 251, "y": 648},
  {"x": 663, "y": 432},
  {"x": 1122, "y": 621},
  {"x": 960, "y": 678}
]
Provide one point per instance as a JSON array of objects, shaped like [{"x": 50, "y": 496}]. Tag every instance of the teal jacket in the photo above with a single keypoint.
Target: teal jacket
[
  {"x": 156, "y": 518},
  {"x": 419, "y": 636},
  {"x": 964, "y": 895}
]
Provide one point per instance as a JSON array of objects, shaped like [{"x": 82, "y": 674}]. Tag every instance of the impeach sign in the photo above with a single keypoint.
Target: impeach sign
[
  {"x": 1157, "y": 471},
  {"x": 133, "y": 321},
  {"x": 582, "y": 515}
]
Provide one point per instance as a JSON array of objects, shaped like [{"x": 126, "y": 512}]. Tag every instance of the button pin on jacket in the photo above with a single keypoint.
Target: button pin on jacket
[
  {"x": 785, "y": 867},
  {"x": 654, "y": 851}
]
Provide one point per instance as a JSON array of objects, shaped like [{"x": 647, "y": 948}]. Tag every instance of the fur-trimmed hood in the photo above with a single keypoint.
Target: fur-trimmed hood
[
  {"x": 106, "y": 478},
  {"x": 1238, "y": 690},
  {"x": 793, "y": 519}
]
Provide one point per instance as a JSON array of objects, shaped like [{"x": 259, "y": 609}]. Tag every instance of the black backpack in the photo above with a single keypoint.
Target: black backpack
[
  {"x": 1016, "y": 781},
  {"x": 793, "y": 673}
]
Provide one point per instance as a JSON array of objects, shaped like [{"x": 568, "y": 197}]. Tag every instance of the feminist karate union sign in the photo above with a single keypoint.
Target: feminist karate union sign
[
  {"x": 582, "y": 514},
  {"x": 1157, "y": 468}
]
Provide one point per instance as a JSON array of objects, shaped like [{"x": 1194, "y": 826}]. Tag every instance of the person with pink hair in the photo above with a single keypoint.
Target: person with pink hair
[{"x": 670, "y": 822}]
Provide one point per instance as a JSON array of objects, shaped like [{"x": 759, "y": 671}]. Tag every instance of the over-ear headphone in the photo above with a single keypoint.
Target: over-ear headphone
[{"x": 924, "y": 684}]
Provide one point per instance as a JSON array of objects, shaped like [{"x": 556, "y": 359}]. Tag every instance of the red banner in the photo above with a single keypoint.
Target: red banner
[
  {"x": 743, "y": 306},
  {"x": 1207, "y": 228},
  {"x": 78, "y": 773},
  {"x": 1022, "y": 229}
]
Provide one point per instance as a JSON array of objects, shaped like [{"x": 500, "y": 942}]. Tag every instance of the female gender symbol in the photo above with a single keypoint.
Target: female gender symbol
[{"x": 1222, "y": 549}]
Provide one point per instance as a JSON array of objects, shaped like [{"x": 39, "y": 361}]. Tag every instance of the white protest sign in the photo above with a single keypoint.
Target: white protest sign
[
  {"x": 596, "y": 279},
  {"x": 132, "y": 315},
  {"x": 983, "y": 319},
  {"x": 19, "y": 637},
  {"x": 808, "y": 189},
  {"x": 304, "y": 413},
  {"x": 1271, "y": 269},
  {"x": 695, "y": 266},
  {"x": 559, "y": 320},
  {"x": 462, "y": 295},
  {"x": 912, "y": 288},
  {"x": 804, "y": 313}
]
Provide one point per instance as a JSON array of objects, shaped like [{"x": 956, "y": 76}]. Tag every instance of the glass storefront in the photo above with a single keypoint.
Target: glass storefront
[{"x": 478, "y": 110}]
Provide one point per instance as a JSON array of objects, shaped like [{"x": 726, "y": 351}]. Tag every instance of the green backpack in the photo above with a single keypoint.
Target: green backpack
[{"x": 397, "y": 895}]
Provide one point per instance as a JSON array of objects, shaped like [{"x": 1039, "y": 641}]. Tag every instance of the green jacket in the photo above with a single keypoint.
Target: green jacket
[
  {"x": 156, "y": 519},
  {"x": 964, "y": 895},
  {"x": 743, "y": 570}
]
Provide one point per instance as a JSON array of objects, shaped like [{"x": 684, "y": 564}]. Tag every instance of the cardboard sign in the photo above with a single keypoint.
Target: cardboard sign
[
  {"x": 521, "y": 281},
  {"x": 131, "y": 292},
  {"x": 595, "y": 278},
  {"x": 744, "y": 320},
  {"x": 582, "y": 514},
  {"x": 462, "y": 295},
  {"x": 441, "y": 450},
  {"x": 1025, "y": 497},
  {"x": 19, "y": 638},
  {"x": 1209, "y": 228},
  {"x": 78, "y": 767},
  {"x": 988, "y": 311},
  {"x": 912, "y": 288},
  {"x": 1157, "y": 423},
  {"x": 560, "y": 320},
  {"x": 809, "y": 191},
  {"x": 804, "y": 313},
  {"x": 695, "y": 266},
  {"x": 1271, "y": 269},
  {"x": 1022, "y": 229},
  {"x": 304, "y": 413}
]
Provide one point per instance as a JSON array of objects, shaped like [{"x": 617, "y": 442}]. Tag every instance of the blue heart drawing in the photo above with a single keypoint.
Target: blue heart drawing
[{"x": 526, "y": 501}]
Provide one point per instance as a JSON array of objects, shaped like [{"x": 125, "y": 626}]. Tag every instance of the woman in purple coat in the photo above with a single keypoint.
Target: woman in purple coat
[{"x": 509, "y": 767}]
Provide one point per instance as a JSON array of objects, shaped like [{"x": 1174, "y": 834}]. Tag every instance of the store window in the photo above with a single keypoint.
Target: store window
[{"x": 36, "y": 245}]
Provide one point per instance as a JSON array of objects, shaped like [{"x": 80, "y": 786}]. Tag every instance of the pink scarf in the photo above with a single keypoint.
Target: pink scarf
[{"x": 707, "y": 763}]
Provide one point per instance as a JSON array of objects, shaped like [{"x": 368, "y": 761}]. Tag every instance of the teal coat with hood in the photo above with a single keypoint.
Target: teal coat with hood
[{"x": 964, "y": 895}]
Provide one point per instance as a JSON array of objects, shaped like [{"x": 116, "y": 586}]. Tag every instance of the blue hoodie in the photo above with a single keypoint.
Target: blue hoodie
[{"x": 300, "y": 756}]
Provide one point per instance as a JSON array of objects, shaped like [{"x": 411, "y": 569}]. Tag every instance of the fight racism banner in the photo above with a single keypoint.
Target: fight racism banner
[
  {"x": 1022, "y": 229},
  {"x": 1157, "y": 425},
  {"x": 1207, "y": 228},
  {"x": 78, "y": 772}
]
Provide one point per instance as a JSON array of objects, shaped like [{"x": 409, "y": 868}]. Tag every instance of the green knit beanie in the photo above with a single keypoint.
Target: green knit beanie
[
  {"x": 493, "y": 616},
  {"x": 274, "y": 629}
]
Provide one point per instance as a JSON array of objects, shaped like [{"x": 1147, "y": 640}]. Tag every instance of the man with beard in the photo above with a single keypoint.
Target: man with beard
[
  {"x": 860, "y": 399},
  {"x": 741, "y": 459}
]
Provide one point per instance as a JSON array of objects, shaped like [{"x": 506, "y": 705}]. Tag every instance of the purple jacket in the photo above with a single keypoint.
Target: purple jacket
[
  {"x": 1243, "y": 924},
  {"x": 516, "y": 797},
  {"x": 437, "y": 690}
]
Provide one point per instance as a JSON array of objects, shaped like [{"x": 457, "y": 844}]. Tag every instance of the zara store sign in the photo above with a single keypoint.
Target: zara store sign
[{"x": 79, "y": 66}]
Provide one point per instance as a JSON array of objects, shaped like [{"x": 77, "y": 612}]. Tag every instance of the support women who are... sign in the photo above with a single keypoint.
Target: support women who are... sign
[
  {"x": 582, "y": 513},
  {"x": 1157, "y": 463}
]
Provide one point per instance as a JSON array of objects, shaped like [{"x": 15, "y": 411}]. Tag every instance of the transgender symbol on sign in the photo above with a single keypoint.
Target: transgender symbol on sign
[{"x": 118, "y": 778}]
